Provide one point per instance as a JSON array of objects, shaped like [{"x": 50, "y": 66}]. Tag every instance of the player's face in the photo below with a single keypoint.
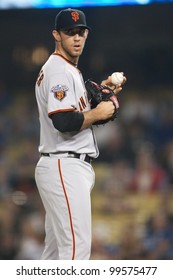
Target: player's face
[{"x": 71, "y": 42}]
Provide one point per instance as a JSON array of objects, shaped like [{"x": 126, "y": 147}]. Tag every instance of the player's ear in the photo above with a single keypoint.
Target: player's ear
[
  {"x": 56, "y": 35},
  {"x": 86, "y": 33}
]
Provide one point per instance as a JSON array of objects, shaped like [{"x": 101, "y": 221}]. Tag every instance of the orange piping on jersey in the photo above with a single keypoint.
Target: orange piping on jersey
[
  {"x": 69, "y": 210},
  {"x": 62, "y": 110},
  {"x": 67, "y": 61}
]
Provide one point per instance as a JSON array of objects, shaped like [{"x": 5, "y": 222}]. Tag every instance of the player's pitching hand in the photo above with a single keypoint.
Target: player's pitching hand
[{"x": 116, "y": 88}]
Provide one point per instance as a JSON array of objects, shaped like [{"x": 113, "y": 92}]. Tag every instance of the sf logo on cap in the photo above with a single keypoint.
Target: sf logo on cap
[{"x": 75, "y": 16}]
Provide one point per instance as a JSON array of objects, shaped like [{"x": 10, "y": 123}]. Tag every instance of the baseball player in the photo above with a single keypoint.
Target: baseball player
[{"x": 64, "y": 174}]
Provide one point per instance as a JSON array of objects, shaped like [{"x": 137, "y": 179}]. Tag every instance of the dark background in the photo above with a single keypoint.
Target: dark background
[{"x": 135, "y": 39}]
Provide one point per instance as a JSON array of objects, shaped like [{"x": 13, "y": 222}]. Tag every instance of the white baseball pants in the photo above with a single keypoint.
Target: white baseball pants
[{"x": 65, "y": 186}]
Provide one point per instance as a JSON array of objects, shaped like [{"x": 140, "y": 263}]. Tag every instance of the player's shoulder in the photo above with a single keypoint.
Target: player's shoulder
[
  {"x": 54, "y": 65},
  {"x": 63, "y": 62}
]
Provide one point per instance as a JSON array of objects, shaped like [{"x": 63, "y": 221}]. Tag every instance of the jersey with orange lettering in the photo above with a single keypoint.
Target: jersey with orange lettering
[{"x": 60, "y": 88}]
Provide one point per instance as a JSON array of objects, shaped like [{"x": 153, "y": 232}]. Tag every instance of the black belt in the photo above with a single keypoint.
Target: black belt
[{"x": 70, "y": 155}]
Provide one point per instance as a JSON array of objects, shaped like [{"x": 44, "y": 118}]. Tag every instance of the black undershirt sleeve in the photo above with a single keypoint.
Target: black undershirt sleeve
[{"x": 67, "y": 121}]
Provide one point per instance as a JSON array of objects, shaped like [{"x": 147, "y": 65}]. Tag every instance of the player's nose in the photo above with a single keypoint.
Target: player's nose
[{"x": 77, "y": 36}]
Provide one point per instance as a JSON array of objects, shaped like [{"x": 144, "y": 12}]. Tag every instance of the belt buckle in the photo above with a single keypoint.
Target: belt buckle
[
  {"x": 83, "y": 157},
  {"x": 73, "y": 155}
]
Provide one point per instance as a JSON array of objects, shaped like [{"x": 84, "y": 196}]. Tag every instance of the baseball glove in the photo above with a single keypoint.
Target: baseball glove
[{"x": 98, "y": 93}]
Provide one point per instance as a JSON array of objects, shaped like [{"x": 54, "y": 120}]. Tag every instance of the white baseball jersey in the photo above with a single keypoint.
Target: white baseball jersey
[{"x": 60, "y": 88}]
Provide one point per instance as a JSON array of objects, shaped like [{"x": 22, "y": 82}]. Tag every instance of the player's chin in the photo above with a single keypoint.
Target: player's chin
[{"x": 77, "y": 51}]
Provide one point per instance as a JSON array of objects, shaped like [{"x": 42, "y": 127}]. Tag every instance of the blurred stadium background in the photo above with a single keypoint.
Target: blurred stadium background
[{"x": 132, "y": 200}]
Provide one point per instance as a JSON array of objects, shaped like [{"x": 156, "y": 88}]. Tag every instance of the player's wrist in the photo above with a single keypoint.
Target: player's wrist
[
  {"x": 91, "y": 117},
  {"x": 95, "y": 114}
]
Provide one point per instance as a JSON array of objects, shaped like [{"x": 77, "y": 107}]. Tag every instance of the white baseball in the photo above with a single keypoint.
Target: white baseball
[{"x": 116, "y": 78}]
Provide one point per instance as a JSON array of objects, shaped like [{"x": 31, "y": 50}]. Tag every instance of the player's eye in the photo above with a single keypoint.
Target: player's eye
[{"x": 74, "y": 31}]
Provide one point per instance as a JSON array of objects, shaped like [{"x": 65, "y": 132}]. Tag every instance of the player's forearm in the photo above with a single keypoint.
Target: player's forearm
[
  {"x": 103, "y": 111},
  {"x": 89, "y": 118}
]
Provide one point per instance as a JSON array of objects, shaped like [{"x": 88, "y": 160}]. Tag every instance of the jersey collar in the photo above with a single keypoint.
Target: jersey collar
[{"x": 74, "y": 64}]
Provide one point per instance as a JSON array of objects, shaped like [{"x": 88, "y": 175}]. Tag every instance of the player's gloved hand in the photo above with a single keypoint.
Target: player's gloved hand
[{"x": 99, "y": 93}]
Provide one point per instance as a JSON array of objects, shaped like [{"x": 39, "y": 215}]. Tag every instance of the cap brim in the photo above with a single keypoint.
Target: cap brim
[{"x": 76, "y": 25}]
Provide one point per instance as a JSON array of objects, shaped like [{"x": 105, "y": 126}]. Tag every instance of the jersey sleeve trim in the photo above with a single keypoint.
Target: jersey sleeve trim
[{"x": 61, "y": 110}]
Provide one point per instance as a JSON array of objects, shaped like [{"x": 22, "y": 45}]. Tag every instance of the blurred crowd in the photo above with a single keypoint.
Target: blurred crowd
[{"x": 135, "y": 164}]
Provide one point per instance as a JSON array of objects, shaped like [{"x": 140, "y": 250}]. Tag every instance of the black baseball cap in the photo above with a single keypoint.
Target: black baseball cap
[{"x": 70, "y": 18}]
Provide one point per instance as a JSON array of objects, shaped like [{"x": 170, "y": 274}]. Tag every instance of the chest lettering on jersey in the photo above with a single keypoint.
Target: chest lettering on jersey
[{"x": 82, "y": 104}]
